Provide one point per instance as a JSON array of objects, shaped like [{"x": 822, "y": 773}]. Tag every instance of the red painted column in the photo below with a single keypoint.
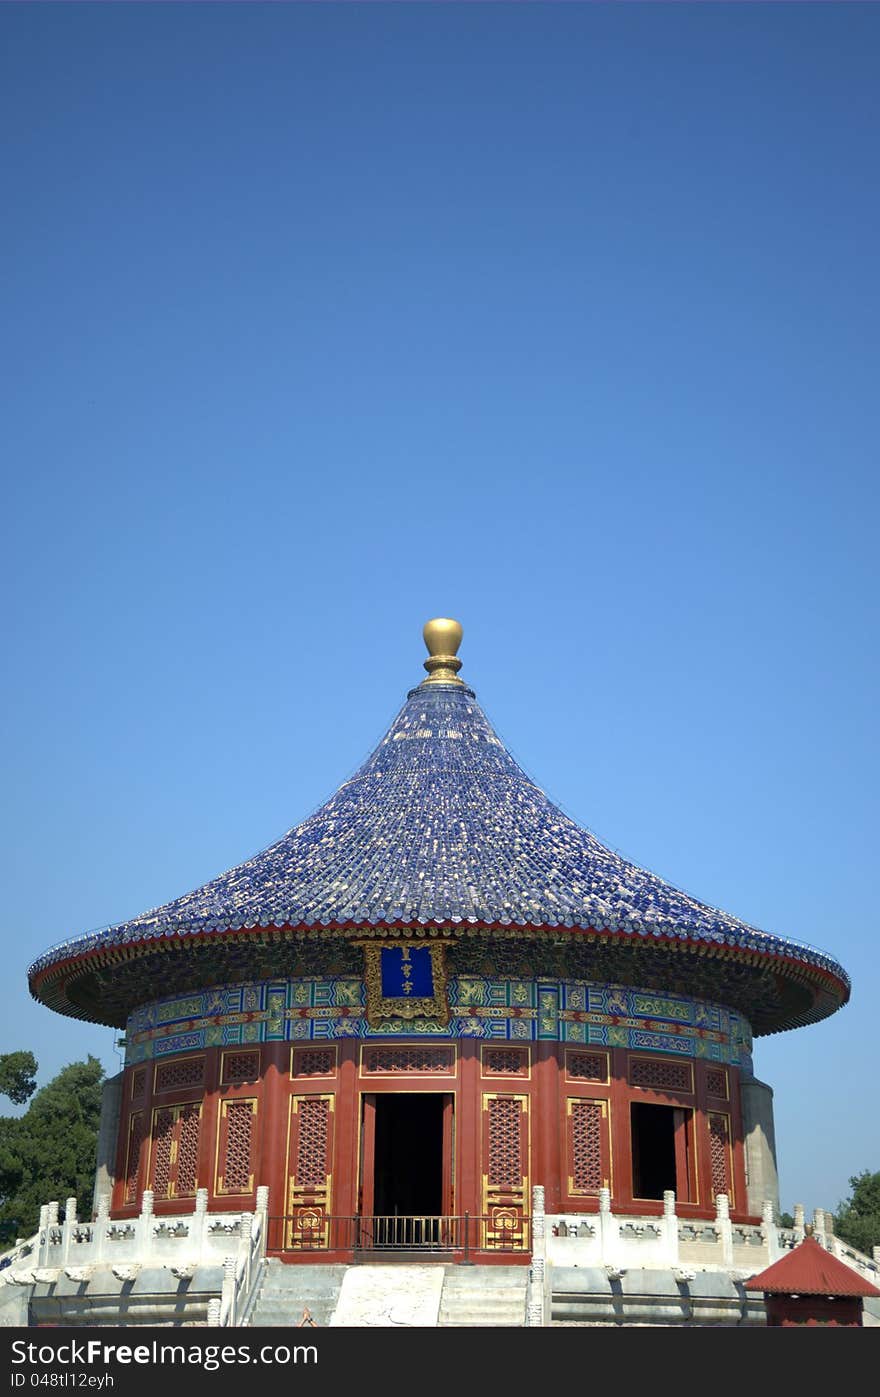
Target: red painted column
[
  {"x": 447, "y": 1205},
  {"x": 704, "y": 1160},
  {"x": 347, "y": 1131},
  {"x": 117, "y": 1197},
  {"x": 468, "y": 1130},
  {"x": 741, "y": 1211},
  {"x": 621, "y": 1141},
  {"x": 683, "y": 1161},
  {"x": 275, "y": 1111},
  {"x": 208, "y": 1130},
  {"x": 547, "y": 1123}
]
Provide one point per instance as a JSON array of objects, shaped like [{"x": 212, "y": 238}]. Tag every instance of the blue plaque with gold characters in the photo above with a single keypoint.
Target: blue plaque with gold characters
[
  {"x": 407, "y": 972},
  {"x": 406, "y": 980}
]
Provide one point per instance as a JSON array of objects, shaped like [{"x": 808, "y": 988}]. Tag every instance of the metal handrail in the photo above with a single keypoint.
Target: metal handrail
[{"x": 396, "y": 1233}]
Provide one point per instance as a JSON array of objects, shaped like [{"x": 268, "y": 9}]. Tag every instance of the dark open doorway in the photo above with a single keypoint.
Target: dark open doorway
[
  {"x": 654, "y": 1151},
  {"x": 409, "y": 1154}
]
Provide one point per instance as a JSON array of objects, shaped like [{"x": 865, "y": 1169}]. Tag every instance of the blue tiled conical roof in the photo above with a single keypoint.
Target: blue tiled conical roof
[
  {"x": 440, "y": 824},
  {"x": 439, "y": 827}
]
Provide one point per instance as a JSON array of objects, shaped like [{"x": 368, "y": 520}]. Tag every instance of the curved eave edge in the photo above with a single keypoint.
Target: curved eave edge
[{"x": 49, "y": 976}]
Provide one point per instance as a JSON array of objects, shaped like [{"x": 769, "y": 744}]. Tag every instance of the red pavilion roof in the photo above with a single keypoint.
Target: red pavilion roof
[{"x": 811, "y": 1270}]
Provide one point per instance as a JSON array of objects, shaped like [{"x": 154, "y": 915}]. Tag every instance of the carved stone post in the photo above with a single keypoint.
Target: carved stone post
[
  {"x": 769, "y": 1231},
  {"x": 537, "y": 1315},
  {"x": 145, "y": 1224},
  {"x": 228, "y": 1292},
  {"x": 102, "y": 1219},
  {"x": 51, "y": 1228},
  {"x": 261, "y": 1211},
  {"x": 722, "y": 1222},
  {"x": 799, "y": 1232},
  {"x": 213, "y": 1313},
  {"x": 199, "y": 1225},
  {"x": 69, "y": 1225},
  {"x": 609, "y": 1230},
  {"x": 670, "y": 1227},
  {"x": 43, "y": 1235},
  {"x": 244, "y": 1249}
]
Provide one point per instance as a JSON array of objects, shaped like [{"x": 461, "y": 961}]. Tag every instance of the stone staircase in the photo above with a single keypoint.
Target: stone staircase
[
  {"x": 286, "y": 1291},
  {"x": 492, "y": 1297},
  {"x": 391, "y": 1295}
]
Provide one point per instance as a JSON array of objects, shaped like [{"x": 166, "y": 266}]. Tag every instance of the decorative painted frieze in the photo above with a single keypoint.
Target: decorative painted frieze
[{"x": 309, "y": 1009}]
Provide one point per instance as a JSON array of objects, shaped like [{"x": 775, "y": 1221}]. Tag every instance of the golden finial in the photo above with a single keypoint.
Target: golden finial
[{"x": 442, "y": 638}]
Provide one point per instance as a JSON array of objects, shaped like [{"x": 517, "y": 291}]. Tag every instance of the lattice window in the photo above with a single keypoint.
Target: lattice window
[
  {"x": 311, "y": 1151},
  {"x": 188, "y": 1150},
  {"x": 309, "y": 1166},
  {"x": 716, "y": 1082},
  {"x": 164, "y": 1122},
  {"x": 587, "y": 1120},
  {"x": 133, "y": 1158},
  {"x": 505, "y": 1142},
  {"x": 427, "y": 1058},
  {"x": 587, "y": 1067},
  {"x": 186, "y": 1072},
  {"x": 505, "y": 1062},
  {"x": 719, "y": 1153},
  {"x": 660, "y": 1074},
  {"x": 176, "y": 1150},
  {"x": 138, "y": 1085},
  {"x": 236, "y": 1144},
  {"x": 241, "y": 1067},
  {"x": 314, "y": 1062}
]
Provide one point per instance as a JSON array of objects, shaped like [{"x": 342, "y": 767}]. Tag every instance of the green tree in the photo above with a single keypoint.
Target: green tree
[
  {"x": 49, "y": 1152},
  {"x": 857, "y": 1220},
  {"x": 18, "y": 1073}
]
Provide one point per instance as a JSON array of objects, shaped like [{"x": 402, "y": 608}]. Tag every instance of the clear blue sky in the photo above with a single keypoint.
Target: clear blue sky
[{"x": 562, "y": 320}]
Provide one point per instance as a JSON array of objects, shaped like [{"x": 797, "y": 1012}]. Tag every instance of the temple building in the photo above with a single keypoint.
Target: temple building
[{"x": 431, "y": 996}]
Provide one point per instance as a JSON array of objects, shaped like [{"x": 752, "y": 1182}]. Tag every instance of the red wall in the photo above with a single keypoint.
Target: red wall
[{"x": 572, "y": 1105}]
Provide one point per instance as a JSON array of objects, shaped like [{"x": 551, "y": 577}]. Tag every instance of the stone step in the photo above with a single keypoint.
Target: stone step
[
  {"x": 496, "y": 1299},
  {"x": 281, "y": 1271},
  {"x": 276, "y": 1304},
  {"x": 496, "y": 1292},
  {"x": 490, "y": 1297},
  {"x": 286, "y": 1291},
  {"x": 279, "y": 1290},
  {"x": 482, "y": 1314},
  {"x": 502, "y": 1297},
  {"x": 484, "y": 1302},
  {"x": 299, "y": 1281},
  {"x": 390, "y": 1294},
  {"x": 291, "y": 1317},
  {"x": 481, "y": 1324},
  {"x": 487, "y": 1277}
]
